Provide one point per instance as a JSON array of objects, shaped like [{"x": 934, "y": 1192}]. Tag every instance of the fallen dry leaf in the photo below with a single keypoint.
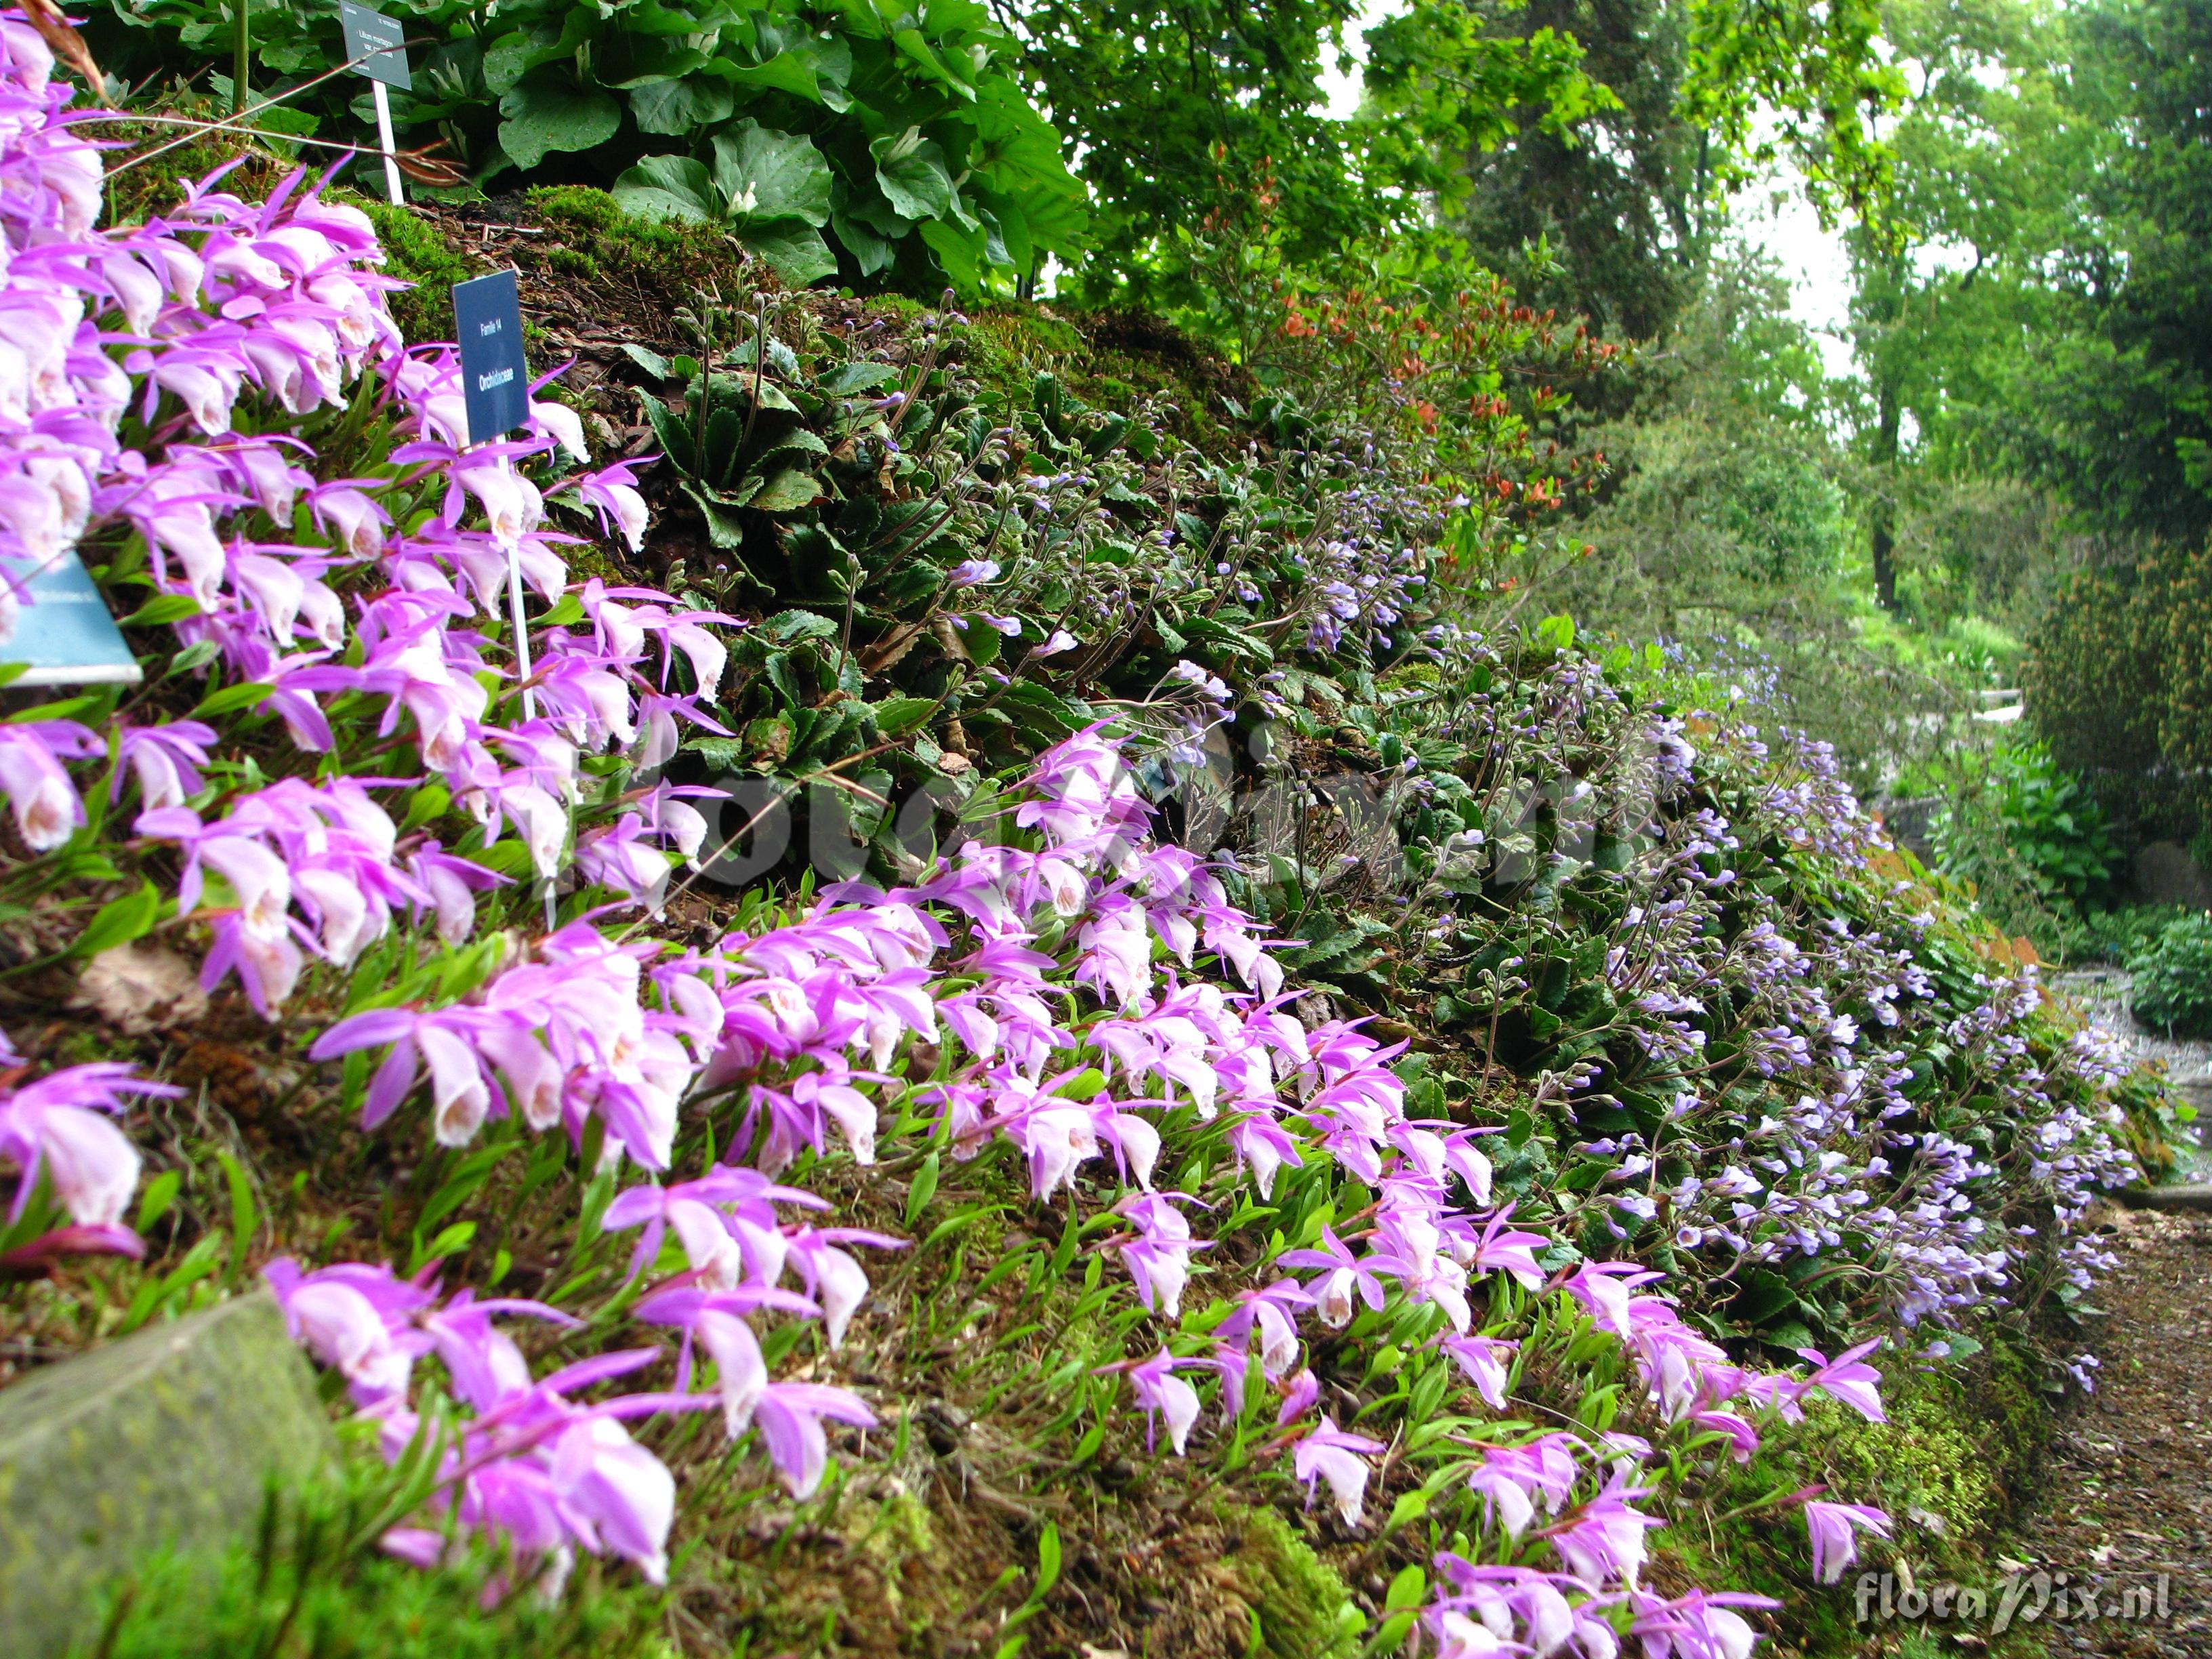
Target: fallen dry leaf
[{"x": 136, "y": 987}]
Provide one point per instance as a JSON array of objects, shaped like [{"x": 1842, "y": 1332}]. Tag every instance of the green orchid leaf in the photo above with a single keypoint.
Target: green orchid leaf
[
  {"x": 672, "y": 433},
  {"x": 896, "y": 716},
  {"x": 858, "y": 377},
  {"x": 787, "y": 490}
]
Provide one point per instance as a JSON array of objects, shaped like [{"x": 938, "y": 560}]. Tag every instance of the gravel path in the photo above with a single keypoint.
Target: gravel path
[{"x": 2127, "y": 1492}]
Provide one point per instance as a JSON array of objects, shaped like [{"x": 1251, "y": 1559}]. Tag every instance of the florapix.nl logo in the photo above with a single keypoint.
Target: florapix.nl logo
[
  {"x": 2028, "y": 1596},
  {"x": 1273, "y": 814}
]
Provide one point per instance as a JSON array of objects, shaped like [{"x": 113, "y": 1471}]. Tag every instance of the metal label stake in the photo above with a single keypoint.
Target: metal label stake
[
  {"x": 377, "y": 45},
  {"x": 384, "y": 137}
]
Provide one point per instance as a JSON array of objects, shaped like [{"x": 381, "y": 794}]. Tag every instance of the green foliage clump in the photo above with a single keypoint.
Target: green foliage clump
[
  {"x": 2118, "y": 680},
  {"x": 2093, "y": 674},
  {"x": 314, "y": 1584},
  {"x": 2174, "y": 977},
  {"x": 2113, "y": 936},
  {"x": 2020, "y": 823},
  {"x": 903, "y": 134}
]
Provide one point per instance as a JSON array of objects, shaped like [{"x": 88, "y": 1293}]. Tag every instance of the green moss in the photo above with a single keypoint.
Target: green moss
[
  {"x": 1298, "y": 1602},
  {"x": 900, "y": 1528},
  {"x": 1028, "y": 332},
  {"x": 899, "y": 307},
  {"x": 1007, "y": 347},
  {"x": 142, "y": 190},
  {"x": 416, "y": 250},
  {"x": 577, "y": 206},
  {"x": 599, "y": 242},
  {"x": 1120, "y": 368},
  {"x": 1117, "y": 394}
]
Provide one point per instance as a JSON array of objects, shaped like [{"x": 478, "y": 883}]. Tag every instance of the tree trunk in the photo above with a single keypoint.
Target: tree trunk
[{"x": 1885, "y": 505}]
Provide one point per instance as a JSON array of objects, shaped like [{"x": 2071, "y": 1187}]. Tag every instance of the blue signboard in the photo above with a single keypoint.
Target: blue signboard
[
  {"x": 64, "y": 632},
  {"x": 496, "y": 381},
  {"x": 372, "y": 43}
]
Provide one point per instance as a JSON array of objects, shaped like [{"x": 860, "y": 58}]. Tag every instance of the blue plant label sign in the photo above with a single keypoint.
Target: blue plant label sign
[
  {"x": 374, "y": 42},
  {"x": 65, "y": 633},
  {"x": 496, "y": 381}
]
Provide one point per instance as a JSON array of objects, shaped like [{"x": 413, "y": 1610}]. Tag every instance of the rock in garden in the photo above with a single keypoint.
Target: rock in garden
[{"x": 165, "y": 1437}]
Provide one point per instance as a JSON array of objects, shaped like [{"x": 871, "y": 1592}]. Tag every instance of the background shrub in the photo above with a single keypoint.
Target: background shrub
[
  {"x": 2023, "y": 828},
  {"x": 2118, "y": 683},
  {"x": 2174, "y": 977},
  {"x": 885, "y": 144}
]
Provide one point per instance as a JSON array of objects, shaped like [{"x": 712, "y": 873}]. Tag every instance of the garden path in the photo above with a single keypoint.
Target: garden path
[{"x": 2126, "y": 1493}]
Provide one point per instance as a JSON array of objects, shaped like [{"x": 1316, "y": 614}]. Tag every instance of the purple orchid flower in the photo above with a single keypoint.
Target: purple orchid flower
[
  {"x": 1833, "y": 1531},
  {"x": 1328, "y": 1453}
]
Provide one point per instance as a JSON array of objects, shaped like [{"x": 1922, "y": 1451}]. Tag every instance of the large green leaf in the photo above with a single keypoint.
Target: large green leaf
[
  {"x": 865, "y": 206},
  {"x": 797, "y": 253},
  {"x": 914, "y": 46},
  {"x": 1056, "y": 220},
  {"x": 627, "y": 61},
  {"x": 667, "y": 187},
  {"x": 545, "y": 116},
  {"x": 682, "y": 106},
  {"x": 870, "y": 251},
  {"x": 1014, "y": 233},
  {"x": 960, "y": 251},
  {"x": 788, "y": 71},
  {"x": 765, "y": 175},
  {"x": 911, "y": 171},
  {"x": 506, "y": 59}
]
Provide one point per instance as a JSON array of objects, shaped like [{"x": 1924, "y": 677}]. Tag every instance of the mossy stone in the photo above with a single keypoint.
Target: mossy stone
[{"x": 166, "y": 1438}]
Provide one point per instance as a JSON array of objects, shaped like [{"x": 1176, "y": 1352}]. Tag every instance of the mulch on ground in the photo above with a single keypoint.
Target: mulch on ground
[{"x": 2127, "y": 1493}]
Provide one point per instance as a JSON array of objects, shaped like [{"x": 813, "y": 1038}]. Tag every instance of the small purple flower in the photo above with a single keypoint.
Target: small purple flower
[
  {"x": 1848, "y": 1380},
  {"x": 1164, "y": 1395},
  {"x": 1832, "y": 1527},
  {"x": 1327, "y": 1453}
]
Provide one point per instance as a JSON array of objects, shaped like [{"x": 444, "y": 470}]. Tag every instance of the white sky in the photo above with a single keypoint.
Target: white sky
[
  {"x": 1771, "y": 217},
  {"x": 1776, "y": 217}
]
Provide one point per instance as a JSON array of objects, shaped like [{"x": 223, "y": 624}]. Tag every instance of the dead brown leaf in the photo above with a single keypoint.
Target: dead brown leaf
[{"x": 137, "y": 987}]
